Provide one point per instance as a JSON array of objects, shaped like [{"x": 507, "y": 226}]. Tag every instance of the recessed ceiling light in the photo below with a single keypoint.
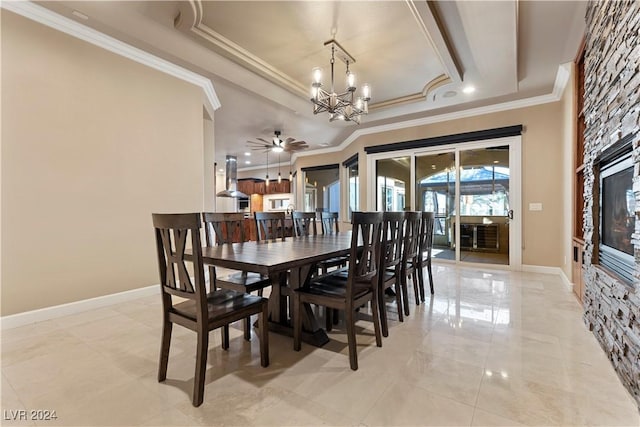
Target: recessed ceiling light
[
  {"x": 324, "y": 144},
  {"x": 79, "y": 15},
  {"x": 469, "y": 89},
  {"x": 220, "y": 170},
  {"x": 496, "y": 161},
  {"x": 449, "y": 94},
  {"x": 247, "y": 153},
  {"x": 247, "y": 162}
]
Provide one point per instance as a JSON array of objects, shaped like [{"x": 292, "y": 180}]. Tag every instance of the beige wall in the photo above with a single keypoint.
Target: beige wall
[
  {"x": 569, "y": 132},
  {"x": 542, "y": 170},
  {"x": 92, "y": 144},
  {"x": 209, "y": 164}
]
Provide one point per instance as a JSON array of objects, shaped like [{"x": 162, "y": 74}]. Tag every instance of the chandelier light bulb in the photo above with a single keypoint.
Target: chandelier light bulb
[
  {"x": 266, "y": 181},
  {"x": 366, "y": 92},
  {"x": 351, "y": 81},
  {"x": 333, "y": 100},
  {"x": 317, "y": 76},
  {"x": 290, "y": 176},
  {"x": 279, "y": 178}
]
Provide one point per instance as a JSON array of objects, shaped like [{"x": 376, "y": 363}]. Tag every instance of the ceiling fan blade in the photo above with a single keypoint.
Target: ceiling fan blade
[
  {"x": 264, "y": 140},
  {"x": 258, "y": 144},
  {"x": 289, "y": 140}
]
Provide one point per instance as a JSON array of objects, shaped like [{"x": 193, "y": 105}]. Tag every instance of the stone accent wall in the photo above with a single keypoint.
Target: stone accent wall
[{"x": 612, "y": 109}]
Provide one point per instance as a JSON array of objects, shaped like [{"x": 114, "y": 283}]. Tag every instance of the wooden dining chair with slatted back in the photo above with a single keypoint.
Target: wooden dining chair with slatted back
[
  {"x": 222, "y": 229},
  {"x": 304, "y": 223},
  {"x": 331, "y": 225},
  {"x": 390, "y": 269},
  {"x": 270, "y": 225},
  {"x": 424, "y": 253},
  {"x": 410, "y": 251},
  {"x": 348, "y": 293},
  {"x": 198, "y": 310}
]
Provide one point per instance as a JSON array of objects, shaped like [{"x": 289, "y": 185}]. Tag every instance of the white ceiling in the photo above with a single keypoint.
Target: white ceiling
[{"x": 259, "y": 55}]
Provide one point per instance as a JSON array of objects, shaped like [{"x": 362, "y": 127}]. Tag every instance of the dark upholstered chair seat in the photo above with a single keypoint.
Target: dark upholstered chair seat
[
  {"x": 220, "y": 303},
  {"x": 245, "y": 281}
]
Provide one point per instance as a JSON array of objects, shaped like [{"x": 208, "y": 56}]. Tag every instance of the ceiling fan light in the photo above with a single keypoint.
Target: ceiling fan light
[{"x": 277, "y": 149}]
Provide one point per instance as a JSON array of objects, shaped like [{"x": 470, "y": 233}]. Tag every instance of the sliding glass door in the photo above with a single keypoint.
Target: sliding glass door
[
  {"x": 436, "y": 192},
  {"x": 471, "y": 190},
  {"x": 484, "y": 205}
]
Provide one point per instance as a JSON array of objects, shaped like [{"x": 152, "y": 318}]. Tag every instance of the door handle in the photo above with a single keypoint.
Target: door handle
[{"x": 510, "y": 214}]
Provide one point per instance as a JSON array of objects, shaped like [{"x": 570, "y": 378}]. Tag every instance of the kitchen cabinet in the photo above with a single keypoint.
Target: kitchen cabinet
[
  {"x": 251, "y": 186},
  {"x": 246, "y": 186}
]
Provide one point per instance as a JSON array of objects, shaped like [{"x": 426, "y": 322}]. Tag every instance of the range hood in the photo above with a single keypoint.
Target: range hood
[{"x": 231, "y": 182}]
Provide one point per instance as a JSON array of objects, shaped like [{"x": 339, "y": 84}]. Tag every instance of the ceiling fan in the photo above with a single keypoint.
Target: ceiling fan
[{"x": 277, "y": 145}]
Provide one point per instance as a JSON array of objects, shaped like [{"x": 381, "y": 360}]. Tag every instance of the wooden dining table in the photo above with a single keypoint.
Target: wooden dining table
[{"x": 289, "y": 264}]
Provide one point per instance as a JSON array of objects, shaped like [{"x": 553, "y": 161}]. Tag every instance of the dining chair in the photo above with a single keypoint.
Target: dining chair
[
  {"x": 424, "y": 253},
  {"x": 409, "y": 264},
  {"x": 329, "y": 222},
  {"x": 223, "y": 229},
  {"x": 348, "y": 292},
  {"x": 330, "y": 225},
  {"x": 390, "y": 269},
  {"x": 201, "y": 312},
  {"x": 270, "y": 225},
  {"x": 304, "y": 223}
]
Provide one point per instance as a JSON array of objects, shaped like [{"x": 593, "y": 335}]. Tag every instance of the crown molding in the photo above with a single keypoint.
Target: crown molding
[
  {"x": 562, "y": 77},
  {"x": 190, "y": 21},
  {"x": 68, "y": 26}
]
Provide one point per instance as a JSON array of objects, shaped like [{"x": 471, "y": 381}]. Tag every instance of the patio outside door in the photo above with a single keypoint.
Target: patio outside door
[{"x": 470, "y": 191}]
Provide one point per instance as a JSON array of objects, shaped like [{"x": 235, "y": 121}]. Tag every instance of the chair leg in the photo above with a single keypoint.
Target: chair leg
[
  {"x": 384, "y": 322},
  {"x": 398, "y": 300},
  {"x": 297, "y": 321},
  {"x": 225, "y": 337},
  {"x": 201, "y": 367},
  {"x": 376, "y": 317},
  {"x": 167, "y": 327},
  {"x": 421, "y": 280},
  {"x": 263, "y": 324},
  {"x": 328, "y": 319},
  {"x": 430, "y": 275},
  {"x": 247, "y": 328},
  {"x": 414, "y": 279},
  {"x": 405, "y": 292},
  {"x": 336, "y": 316},
  {"x": 350, "y": 315}
]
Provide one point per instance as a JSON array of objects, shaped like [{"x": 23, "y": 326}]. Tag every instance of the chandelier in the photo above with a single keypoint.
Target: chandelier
[{"x": 340, "y": 106}]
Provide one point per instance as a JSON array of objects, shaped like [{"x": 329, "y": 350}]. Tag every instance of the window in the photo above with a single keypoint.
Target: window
[
  {"x": 353, "y": 186},
  {"x": 322, "y": 188},
  {"x": 392, "y": 191}
]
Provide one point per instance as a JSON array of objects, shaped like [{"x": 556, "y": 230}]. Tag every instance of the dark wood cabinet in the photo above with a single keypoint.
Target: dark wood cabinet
[
  {"x": 251, "y": 186},
  {"x": 246, "y": 186}
]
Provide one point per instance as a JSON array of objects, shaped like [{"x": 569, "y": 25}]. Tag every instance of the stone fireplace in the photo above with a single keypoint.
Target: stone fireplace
[{"x": 612, "y": 111}]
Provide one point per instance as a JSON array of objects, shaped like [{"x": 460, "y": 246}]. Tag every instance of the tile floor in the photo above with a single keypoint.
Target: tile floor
[{"x": 492, "y": 348}]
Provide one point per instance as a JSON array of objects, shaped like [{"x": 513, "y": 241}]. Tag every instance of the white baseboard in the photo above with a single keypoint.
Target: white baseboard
[
  {"x": 34, "y": 316},
  {"x": 549, "y": 270},
  {"x": 566, "y": 281}
]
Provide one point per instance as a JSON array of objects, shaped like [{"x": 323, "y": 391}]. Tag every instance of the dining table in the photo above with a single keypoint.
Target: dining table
[{"x": 289, "y": 263}]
